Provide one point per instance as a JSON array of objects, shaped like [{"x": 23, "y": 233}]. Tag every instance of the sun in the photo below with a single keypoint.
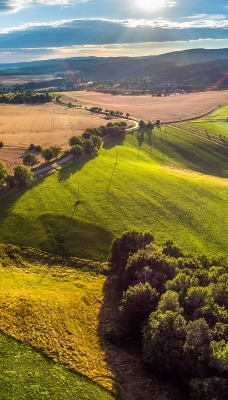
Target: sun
[{"x": 150, "y": 4}]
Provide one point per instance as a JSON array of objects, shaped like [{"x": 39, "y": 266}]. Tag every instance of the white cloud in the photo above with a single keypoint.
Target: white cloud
[
  {"x": 199, "y": 22},
  {"x": 206, "y": 16},
  {"x": 16, "y": 5},
  {"x": 35, "y": 25}
]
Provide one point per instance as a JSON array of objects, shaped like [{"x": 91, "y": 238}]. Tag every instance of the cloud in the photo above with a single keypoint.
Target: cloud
[
  {"x": 16, "y": 5},
  {"x": 72, "y": 32}
]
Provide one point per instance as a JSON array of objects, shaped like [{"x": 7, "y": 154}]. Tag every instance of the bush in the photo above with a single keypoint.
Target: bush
[
  {"x": 23, "y": 175},
  {"x": 30, "y": 160},
  {"x": 3, "y": 173}
]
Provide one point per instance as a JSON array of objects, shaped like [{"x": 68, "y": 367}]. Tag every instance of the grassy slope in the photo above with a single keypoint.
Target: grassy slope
[
  {"x": 26, "y": 374},
  {"x": 56, "y": 310},
  {"x": 215, "y": 122},
  {"x": 144, "y": 194}
]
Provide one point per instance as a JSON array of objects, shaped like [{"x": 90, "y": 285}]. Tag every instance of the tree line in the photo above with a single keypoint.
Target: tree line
[
  {"x": 88, "y": 143},
  {"x": 24, "y": 97},
  {"x": 175, "y": 305}
]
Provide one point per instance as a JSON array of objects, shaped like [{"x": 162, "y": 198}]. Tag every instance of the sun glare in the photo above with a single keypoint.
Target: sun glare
[{"x": 150, "y": 4}]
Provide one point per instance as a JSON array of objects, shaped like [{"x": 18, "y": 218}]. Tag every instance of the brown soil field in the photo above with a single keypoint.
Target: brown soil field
[
  {"x": 45, "y": 125},
  {"x": 14, "y": 156},
  {"x": 167, "y": 109}
]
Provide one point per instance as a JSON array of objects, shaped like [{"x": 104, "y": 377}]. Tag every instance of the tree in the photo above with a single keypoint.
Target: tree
[
  {"x": 97, "y": 141},
  {"x": 77, "y": 150},
  {"x": 75, "y": 140},
  {"x": 88, "y": 145},
  {"x": 163, "y": 340},
  {"x": 56, "y": 150},
  {"x": 3, "y": 173},
  {"x": 47, "y": 154},
  {"x": 128, "y": 243},
  {"x": 1, "y": 144},
  {"x": 137, "y": 304},
  {"x": 23, "y": 175},
  {"x": 142, "y": 124},
  {"x": 30, "y": 160},
  {"x": 196, "y": 348}
]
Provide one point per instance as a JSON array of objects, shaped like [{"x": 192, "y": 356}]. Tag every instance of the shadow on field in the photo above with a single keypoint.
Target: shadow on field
[
  {"x": 192, "y": 153},
  {"x": 7, "y": 202},
  {"x": 66, "y": 236},
  {"x": 132, "y": 380},
  {"x": 76, "y": 165},
  {"x": 112, "y": 142}
]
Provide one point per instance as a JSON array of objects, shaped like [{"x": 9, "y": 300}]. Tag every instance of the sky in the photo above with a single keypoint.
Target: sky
[{"x": 46, "y": 29}]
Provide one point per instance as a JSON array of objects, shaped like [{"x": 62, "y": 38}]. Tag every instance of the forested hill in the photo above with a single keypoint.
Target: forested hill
[{"x": 191, "y": 67}]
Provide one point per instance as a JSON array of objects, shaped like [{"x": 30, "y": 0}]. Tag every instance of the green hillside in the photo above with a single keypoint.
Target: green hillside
[
  {"x": 215, "y": 123},
  {"x": 25, "y": 374},
  {"x": 149, "y": 189}
]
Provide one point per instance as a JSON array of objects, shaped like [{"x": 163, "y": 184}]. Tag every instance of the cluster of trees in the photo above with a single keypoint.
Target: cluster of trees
[
  {"x": 24, "y": 97},
  {"x": 22, "y": 176},
  {"x": 91, "y": 139},
  {"x": 51, "y": 152},
  {"x": 95, "y": 109},
  {"x": 176, "y": 305},
  {"x": 149, "y": 124}
]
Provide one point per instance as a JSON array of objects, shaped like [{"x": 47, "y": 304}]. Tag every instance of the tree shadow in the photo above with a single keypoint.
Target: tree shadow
[
  {"x": 75, "y": 165},
  {"x": 112, "y": 142},
  {"x": 67, "y": 236},
  {"x": 132, "y": 380}
]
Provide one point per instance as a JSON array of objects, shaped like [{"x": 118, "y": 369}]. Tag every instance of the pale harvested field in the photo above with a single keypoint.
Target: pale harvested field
[
  {"x": 45, "y": 125},
  {"x": 170, "y": 108},
  {"x": 20, "y": 79}
]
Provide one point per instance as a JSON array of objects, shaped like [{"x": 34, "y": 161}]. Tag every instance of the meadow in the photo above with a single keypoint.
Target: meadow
[
  {"x": 26, "y": 374},
  {"x": 215, "y": 123},
  {"x": 175, "y": 187}
]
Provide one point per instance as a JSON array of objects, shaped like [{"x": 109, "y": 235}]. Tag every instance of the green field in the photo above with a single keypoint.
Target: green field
[
  {"x": 150, "y": 189},
  {"x": 215, "y": 123},
  {"x": 26, "y": 374}
]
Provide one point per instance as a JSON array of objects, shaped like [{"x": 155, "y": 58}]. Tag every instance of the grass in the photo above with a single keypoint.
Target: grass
[
  {"x": 216, "y": 122},
  {"x": 25, "y": 374},
  {"x": 55, "y": 310},
  {"x": 149, "y": 190}
]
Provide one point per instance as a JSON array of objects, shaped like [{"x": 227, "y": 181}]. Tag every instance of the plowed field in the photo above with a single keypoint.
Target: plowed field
[{"x": 170, "y": 108}]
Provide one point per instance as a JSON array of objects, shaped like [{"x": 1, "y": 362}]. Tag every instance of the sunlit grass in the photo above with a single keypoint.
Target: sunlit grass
[
  {"x": 143, "y": 194},
  {"x": 25, "y": 374},
  {"x": 56, "y": 310}
]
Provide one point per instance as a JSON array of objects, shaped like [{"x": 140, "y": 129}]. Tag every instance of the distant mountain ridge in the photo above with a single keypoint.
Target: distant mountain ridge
[{"x": 189, "y": 67}]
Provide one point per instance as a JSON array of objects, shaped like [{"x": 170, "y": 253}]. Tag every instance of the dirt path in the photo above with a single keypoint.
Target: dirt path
[{"x": 214, "y": 180}]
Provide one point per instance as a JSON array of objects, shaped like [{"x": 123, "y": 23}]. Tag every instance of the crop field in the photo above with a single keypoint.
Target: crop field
[
  {"x": 170, "y": 108},
  {"x": 175, "y": 187},
  {"x": 45, "y": 125}
]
